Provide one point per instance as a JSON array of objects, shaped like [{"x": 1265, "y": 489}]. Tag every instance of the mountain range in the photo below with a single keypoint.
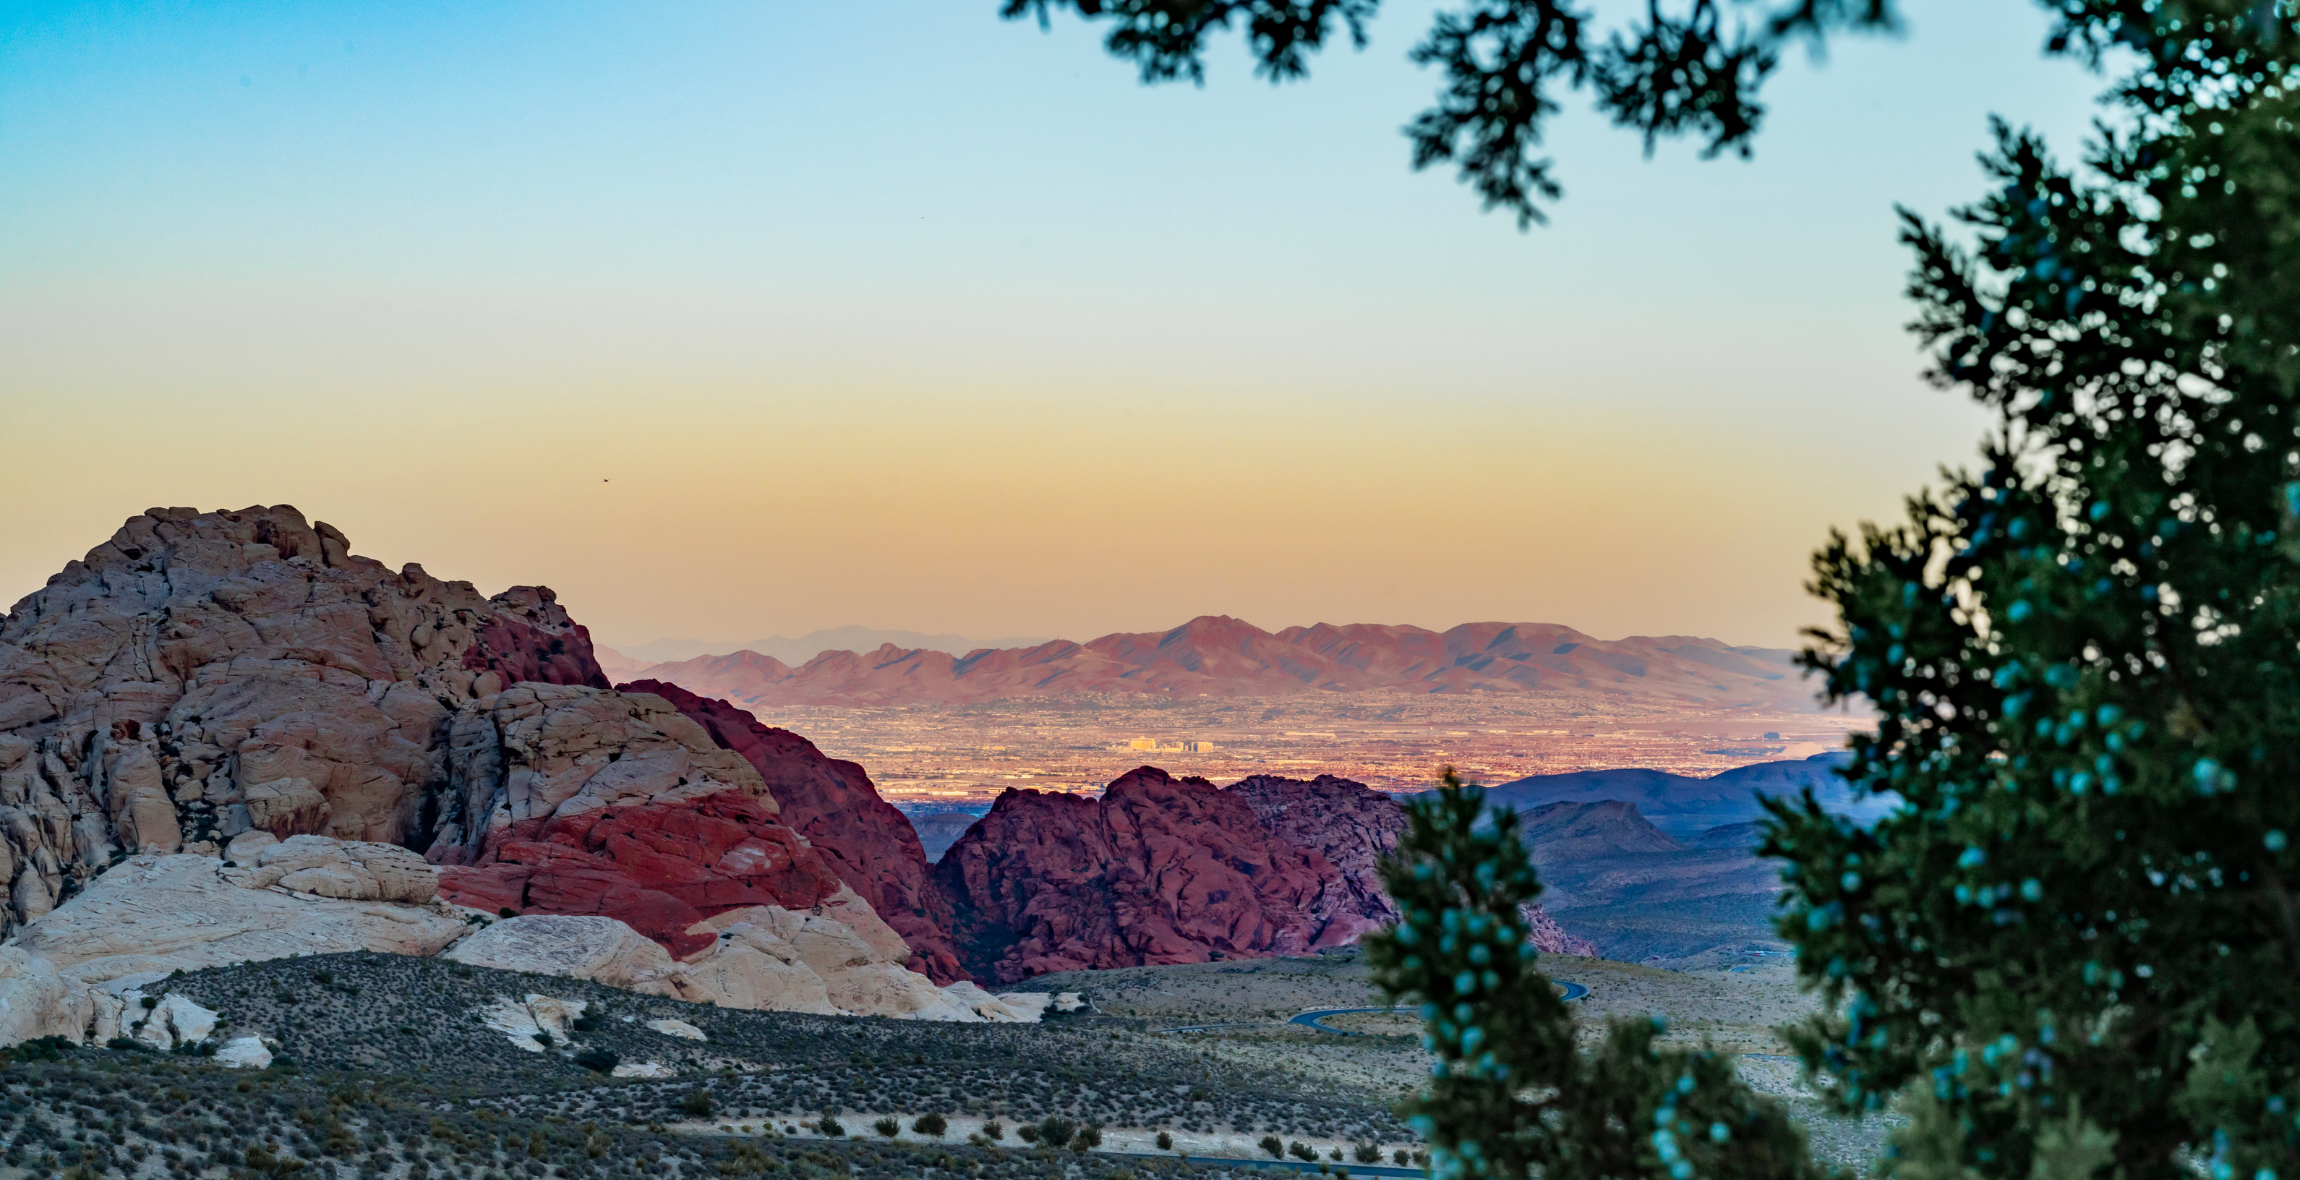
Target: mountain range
[
  {"x": 633, "y": 657},
  {"x": 1219, "y": 656},
  {"x": 1685, "y": 806}
]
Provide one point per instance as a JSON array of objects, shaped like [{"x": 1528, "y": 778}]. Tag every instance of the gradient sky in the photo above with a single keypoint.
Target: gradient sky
[{"x": 893, "y": 313}]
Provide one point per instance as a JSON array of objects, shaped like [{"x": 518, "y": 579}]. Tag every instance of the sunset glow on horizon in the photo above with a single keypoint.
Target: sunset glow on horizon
[{"x": 606, "y": 300}]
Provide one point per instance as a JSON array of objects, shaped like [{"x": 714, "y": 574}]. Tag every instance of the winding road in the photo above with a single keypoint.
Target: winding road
[{"x": 1317, "y": 1020}]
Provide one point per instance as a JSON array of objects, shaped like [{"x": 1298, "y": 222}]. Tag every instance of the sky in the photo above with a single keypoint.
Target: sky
[{"x": 734, "y": 319}]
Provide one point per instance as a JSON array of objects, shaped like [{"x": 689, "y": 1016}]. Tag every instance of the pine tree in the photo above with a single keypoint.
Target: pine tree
[
  {"x": 1511, "y": 1095},
  {"x": 2065, "y": 954}
]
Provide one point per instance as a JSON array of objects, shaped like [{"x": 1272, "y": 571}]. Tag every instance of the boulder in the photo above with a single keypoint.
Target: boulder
[
  {"x": 247, "y": 1052},
  {"x": 175, "y": 1020},
  {"x": 677, "y": 1028},
  {"x": 526, "y": 1021}
]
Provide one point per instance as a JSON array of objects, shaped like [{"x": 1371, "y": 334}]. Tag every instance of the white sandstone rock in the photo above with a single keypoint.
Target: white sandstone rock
[
  {"x": 35, "y": 1001},
  {"x": 644, "y": 1069},
  {"x": 526, "y": 1021},
  {"x": 602, "y": 950},
  {"x": 161, "y": 913},
  {"x": 244, "y": 1053},
  {"x": 677, "y": 1028}
]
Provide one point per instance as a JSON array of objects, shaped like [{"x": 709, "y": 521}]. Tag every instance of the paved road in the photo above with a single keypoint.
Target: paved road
[
  {"x": 1317, "y": 1020},
  {"x": 1292, "y": 1165}
]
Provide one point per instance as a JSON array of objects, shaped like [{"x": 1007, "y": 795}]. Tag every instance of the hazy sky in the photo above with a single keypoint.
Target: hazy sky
[{"x": 729, "y": 319}]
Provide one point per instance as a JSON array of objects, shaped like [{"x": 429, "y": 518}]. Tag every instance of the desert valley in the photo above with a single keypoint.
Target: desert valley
[{"x": 272, "y": 811}]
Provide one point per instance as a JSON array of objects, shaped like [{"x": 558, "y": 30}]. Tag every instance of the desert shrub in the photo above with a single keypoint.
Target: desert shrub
[
  {"x": 1165, "y": 1141},
  {"x": 831, "y": 1127},
  {"x": 1089, "y": 1136},
  {"x": 1401, "y": 1157},
  {"x": 930, "y": 1124},
  {"x": 1276, "y": 1148},
  {"x": 1302, "y": 1151},
  {"x": 697, "y": 1103},
  {"x": 1028, "y": 1132},
  {"x": 1366, "y": 1153},
  {"x": 887, "y": 1127},
  {"x": 1054, "y": 1130},
  {"x": 598, "y": 1060},
  {"x": 994, "y": 1129}
]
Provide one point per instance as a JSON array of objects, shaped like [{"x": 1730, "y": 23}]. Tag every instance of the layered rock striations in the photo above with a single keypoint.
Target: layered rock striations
[{"x": 863, "y": 838}]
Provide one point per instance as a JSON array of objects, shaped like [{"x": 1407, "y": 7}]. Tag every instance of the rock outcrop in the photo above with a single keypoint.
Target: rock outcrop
[
  {"x": 869, "y": 844},
  {"x": 240, "y": 685},
  {"x": 75, "y": 971},
  {"x": 1166, "y": 870},
  {"x": 754, "y": 957},
  {"x": 1157, "y": 870},
  {"x": 201, "y": 675},
  {"x": 574, "y": 801}
]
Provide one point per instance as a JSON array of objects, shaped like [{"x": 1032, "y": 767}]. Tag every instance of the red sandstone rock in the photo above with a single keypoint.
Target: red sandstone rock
[
  {"x": 863, "y": 838},
  {"x": 660, "y": 868},
  {"x": 1158, "y": 870}
]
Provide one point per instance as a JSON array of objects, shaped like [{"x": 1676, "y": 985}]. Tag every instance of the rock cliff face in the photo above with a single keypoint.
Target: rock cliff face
[
  {"x": 869, "y": 844},
  {"x": 1158, "y": 870}
]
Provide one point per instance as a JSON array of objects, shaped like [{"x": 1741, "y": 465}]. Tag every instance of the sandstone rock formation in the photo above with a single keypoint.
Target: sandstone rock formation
[
  {"x": 203, "y": 675},
  {"x": 1166, "y": 870},
  {"x": 78, "y": 970},
  {"x": 239, "y": 684},
  {"x": 1158, "y": 870},
  {"x": 754, "y": 957},
  {"x": 573, "y": 801},
  {"x": 869, "y": 844}
]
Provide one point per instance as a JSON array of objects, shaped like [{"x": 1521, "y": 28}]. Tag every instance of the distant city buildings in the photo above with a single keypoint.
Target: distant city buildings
[{"x": 1190, "y": 747}]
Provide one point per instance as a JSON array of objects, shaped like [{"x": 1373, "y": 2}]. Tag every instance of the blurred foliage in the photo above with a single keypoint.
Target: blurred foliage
[
  {"x": 1683, "y": 68},
  {"x": 2066, "y": 951},
  {"x": 1510, "y": 1094}
]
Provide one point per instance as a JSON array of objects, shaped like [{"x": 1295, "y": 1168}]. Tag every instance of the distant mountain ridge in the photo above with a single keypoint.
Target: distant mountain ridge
[
  {"x": 807, "y": 646},
  {"x": 1219, "y": 656},
  {"x": 1683, "y": 806}
]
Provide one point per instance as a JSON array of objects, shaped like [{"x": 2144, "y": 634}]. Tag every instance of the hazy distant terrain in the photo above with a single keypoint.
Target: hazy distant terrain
[
  {"x": 805, "y": 647},
  {"x": 1218, "y": 656},
  {"x": 1660, "y": 868}
]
